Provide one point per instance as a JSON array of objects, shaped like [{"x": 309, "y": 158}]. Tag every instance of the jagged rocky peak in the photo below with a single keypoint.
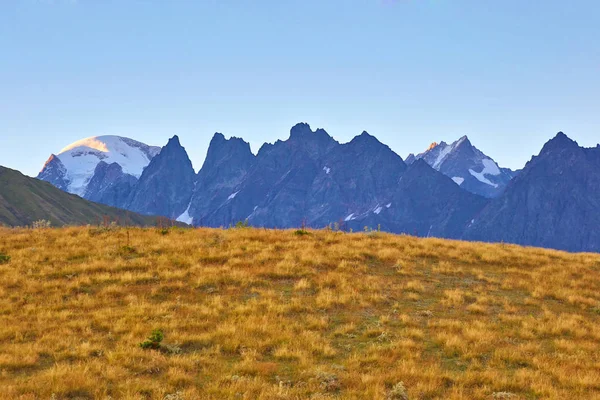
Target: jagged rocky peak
[
  {"x": 174, "y": 142},
  {"x": 175, "y": 151},
  {"x": 225, "y": 157},
  {"x": 315, "y": 144},
  {"x": 302, "y": 131},
  {"x": 364, "y": 140},
  {"x": 366, "y": 144},
  {"x": 55, "y": 172},
  {"x": 419, "y": 165},
  {"x": 227, "y": 163},
  {"x": 559, "y": 142},
  {"x": 166, "y": 185},
  {"x": 365, "y": 137},
  {"x": 220, "y": 147}
]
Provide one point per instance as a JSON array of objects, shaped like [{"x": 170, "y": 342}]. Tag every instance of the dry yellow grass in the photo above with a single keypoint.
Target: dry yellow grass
[{"x": 268, "y": 314}]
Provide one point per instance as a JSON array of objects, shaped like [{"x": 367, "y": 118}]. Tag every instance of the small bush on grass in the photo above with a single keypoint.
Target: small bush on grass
[
  {"x": 242, "y": 224},
  {"x": 4, "y": 259},
  {"x": 398, "y": 392},
  {"x": 41, "y": 224},
  {"x": 153, "y": 341}
]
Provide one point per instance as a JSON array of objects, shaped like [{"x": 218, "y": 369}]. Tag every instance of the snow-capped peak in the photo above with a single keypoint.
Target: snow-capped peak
[
  {"x": 81, "y": 158},
  {"x": 467, "y": 166}
]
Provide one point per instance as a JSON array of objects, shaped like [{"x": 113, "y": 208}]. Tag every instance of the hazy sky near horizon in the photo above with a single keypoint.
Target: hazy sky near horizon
[{"x": 509, "y": 74}]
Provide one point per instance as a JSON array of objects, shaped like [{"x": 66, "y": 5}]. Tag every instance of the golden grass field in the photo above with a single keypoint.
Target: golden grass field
[{"x": 266, "y": 314}]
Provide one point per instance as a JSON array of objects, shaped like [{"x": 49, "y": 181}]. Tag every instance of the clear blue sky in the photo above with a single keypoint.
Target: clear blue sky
[{"x": 509, "y": 74}]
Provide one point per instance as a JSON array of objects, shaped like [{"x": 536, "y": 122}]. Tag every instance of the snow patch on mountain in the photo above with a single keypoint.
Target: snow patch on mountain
[
  {"x": 441, "y": 156},
  {"x": 489, "y": 168},
  {"x": 185, "y": 217},
  {"x": 458, "y": 180}
]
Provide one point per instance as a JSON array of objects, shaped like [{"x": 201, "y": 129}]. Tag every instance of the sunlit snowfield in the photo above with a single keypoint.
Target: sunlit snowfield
[{"x": 250, "y": 313}]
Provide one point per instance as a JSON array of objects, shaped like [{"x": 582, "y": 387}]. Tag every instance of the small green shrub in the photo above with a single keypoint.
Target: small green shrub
[
  {"x": 301, "y": 232},
  {"x": 242, "y": 224},
  {"x": 153, "y": 341},
  {"x": 4, "y": 259}
]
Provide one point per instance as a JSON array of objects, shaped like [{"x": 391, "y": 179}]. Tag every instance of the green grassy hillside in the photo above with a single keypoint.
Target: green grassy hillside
[{"x": 24, "y": 200}]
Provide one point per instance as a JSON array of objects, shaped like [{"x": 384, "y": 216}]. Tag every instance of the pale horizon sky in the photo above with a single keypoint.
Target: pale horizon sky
[{"x": 508, "y": 74}]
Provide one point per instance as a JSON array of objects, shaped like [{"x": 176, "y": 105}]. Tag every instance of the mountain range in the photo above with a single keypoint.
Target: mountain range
[{"x": 451, "y": 190}]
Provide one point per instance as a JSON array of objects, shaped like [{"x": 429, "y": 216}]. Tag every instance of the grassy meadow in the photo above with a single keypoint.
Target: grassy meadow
[{"x": 266, "y": 314}]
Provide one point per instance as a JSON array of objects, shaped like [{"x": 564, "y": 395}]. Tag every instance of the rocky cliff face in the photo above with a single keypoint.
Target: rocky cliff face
[
  {"x": 55, "y": 172},
  {"x": 274, "y": 191},
  {"x": 554, "y": 201},
  {"x": 227, "y": 163},
  {"x": 110, "y": 185},
  {"x": 355, "y": 177},
  {"x": 166, "y": 185}
]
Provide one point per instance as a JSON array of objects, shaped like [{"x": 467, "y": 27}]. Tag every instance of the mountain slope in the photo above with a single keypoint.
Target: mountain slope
[
  {"x": 24, "y": 200},
  {"x": 356, "y": 177},
  {"x": 74, "y": 166},
  {"x": 227, "y": 163},
  {"x": 467, "y": 166},
  {"x": 110, "y": 185},
  {"x": 424, "y": 203},
  {"x": 554, "y": 201}
]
